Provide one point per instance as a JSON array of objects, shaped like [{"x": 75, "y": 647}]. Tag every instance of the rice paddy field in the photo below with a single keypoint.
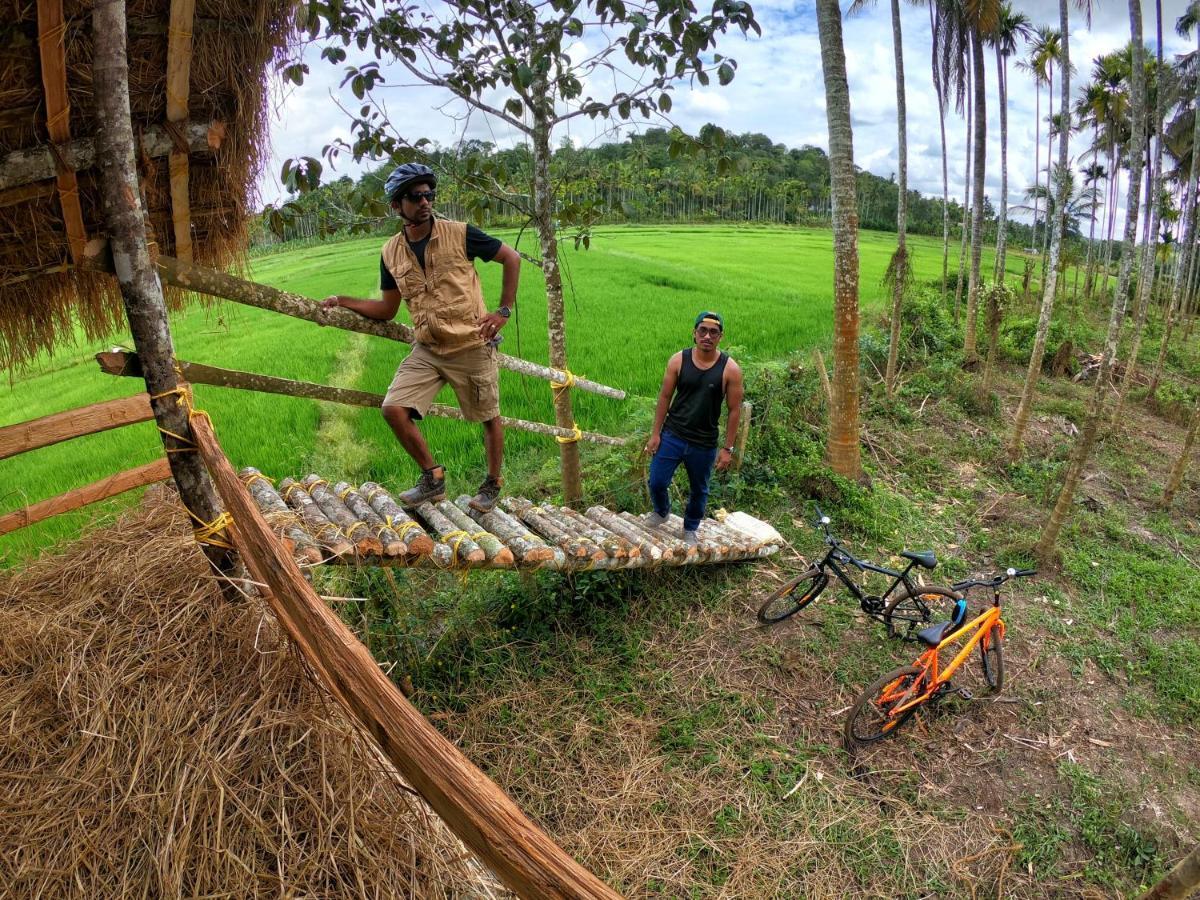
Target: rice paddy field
[{"x": 631, "y": 300}]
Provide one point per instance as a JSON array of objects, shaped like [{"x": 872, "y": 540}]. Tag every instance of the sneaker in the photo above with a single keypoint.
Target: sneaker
[
  {"x": 691, "y": 538},
  {"x": 489, "y": 492},
  {"x": 429, "y": 488},
  {"x": 653, "y": 519}
]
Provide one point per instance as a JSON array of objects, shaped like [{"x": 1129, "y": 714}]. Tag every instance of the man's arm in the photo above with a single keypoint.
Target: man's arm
[
  {"x": 670, "y": 379},
  {"x": 511, "y": 260},
  {"x": 384, "y": 309},
  {"x": 734, "y": 392}
]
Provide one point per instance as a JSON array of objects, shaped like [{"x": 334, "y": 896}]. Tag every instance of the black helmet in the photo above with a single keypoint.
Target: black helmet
[{"x": 404, "y": 175}]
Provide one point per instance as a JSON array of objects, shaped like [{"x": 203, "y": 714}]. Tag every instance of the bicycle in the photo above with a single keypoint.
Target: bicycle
[
  {"x": 890, "y": 702},
  {"x": 908, "y": 609}
]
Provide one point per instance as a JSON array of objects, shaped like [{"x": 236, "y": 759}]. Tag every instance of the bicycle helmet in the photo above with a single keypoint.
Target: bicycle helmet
[{"x": 404, "y": 175}]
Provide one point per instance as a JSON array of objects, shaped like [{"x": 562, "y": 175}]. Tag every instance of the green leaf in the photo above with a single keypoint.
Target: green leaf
[
  {"x": 664, "y": 102},
  {"x": 725, "y": 73},
  {"x": 524, "y": 76},
  {"x": 514, "y": 106}
]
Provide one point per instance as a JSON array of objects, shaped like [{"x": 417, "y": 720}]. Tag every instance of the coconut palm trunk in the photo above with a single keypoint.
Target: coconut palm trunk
[
  {"x": 1034, "y": 371},
  {"x": 940, "y": 89},
  {"x": 843, "y": 446},
  {"x": 1087, "y": 436},
  {"x": 898, "y": 269},
  {"x": 1146, "y": 272},
  {"x": 980, "y": 163},
  {"x": 966, "y": 211},
  {"x": 1002, "y": 225},
  {"x": 543, "y": 205}
]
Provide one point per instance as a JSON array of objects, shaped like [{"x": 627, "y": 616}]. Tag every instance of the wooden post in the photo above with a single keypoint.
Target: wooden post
[
  {"x": 483, "y": 816},
  {"x": 179, "y": 68},
  {"x": 96, "y": 491},
  {"x": 141, "y": 291},
  {"x": 57, "y": 427},
  {"x": 1180, "y": 881}
]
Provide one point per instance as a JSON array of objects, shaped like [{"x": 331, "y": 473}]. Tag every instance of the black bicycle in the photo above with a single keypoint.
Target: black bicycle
[{"x": 905, "y": 613}]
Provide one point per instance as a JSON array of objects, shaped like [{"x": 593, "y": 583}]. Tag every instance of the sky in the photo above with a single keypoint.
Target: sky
[{"x": 778, "y": 91}]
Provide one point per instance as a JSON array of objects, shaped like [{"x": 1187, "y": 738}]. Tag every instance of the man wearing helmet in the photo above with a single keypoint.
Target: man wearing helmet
[{"x": 429, "y": 267}]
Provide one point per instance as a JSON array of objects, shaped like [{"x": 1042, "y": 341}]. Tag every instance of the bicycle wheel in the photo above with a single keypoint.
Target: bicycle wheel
[
  {"x": 793, "y": 596},
  {"x": 870, "y": 718},
  {"x": 909, "y": 612},
  {"x": 991, "y": 654}
]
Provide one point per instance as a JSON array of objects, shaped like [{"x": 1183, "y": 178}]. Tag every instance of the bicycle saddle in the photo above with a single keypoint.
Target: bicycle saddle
[
  {"x": 935, "y": 634},
  {"x": 923, "y": 558}
]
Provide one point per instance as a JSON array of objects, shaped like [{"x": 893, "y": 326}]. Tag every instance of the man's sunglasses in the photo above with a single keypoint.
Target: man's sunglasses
[
  {"x": 707, "y": 332},
  {"x": 418, "y": 196}
]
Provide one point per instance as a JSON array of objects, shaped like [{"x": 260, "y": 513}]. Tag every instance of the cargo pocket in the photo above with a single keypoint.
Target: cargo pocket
[{"x": 485, "y": 392}]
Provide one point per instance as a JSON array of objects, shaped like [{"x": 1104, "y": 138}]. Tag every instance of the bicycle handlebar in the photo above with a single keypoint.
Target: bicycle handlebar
[{"x": 995, "y": 581}]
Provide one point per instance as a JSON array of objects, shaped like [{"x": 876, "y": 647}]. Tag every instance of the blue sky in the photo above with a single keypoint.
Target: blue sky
[{"x": 778, "y": 91}]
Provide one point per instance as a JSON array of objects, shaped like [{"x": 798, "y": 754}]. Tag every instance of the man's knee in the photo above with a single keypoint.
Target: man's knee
[{"x": 396, "y": 414}]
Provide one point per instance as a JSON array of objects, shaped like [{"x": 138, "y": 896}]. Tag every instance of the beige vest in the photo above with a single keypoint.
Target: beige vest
[{"x": 445, "y": 299}]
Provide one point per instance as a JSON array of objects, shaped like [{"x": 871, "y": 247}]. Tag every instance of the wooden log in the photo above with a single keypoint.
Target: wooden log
[
  {"x": 355, "y": 529},
  {"x": 179, "y": 67},
  {"x": 33, "y": 164},
  {"x": 498, "y": 555},
  {"x": 712, "y": 547},
  {"x": 484, "y": 817},
  {"x": 194, "y": 277},
  {"x": 550, "y": 530},
  {"x": 316, "y": 522},
  {"x": 357, "y": 504},
  {"x": 571, "y": 527},
  {"x": 52, "y": 51},
  {"x": 743, "y": 434},
  {"x": 122, "y": 362},
  {"x": 681, "y": 554},
  {"x": 158, "y": 470},
  {"x": 613, "y": 523},
  {"x": 527, "y": 548},
  {"x": 141, "y": 290},
  {"x": 279, "y": 515},
  {"x": 408, "y": 529},
  {"x": 72, "y": 423},
  {"x": 466, "y": 551},
  {"x": 613, "y": 544}
]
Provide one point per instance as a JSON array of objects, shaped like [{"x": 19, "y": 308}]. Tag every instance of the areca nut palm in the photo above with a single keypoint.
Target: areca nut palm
[{"x": 1011, "y": 26}]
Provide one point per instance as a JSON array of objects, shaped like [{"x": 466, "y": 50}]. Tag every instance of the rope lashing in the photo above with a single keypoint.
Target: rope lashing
[
  {"x": 353, "y": 528},
  {"x": 557, "y": 388},
  {"x": 576, "y": 435},
  {"x": 457, "y": 536},
  {"x": 257, "y": 476},
  {"x": 207, "y": 532}
]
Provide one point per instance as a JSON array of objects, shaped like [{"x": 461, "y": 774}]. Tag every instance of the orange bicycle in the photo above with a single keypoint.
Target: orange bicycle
[{"x": 890, "y": 702}]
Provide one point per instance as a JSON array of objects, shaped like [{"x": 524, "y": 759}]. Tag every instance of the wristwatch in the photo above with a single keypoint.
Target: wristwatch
[
  {"x": 505, "y": 311},
  {"x": 727, "y": 449}
]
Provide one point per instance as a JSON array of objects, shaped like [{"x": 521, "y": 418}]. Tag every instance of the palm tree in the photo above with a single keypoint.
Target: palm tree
[
  {"x": 843, "y": 447},
  {"x": 1092, "y": 176},
  {"x": 1010, "y": 26},
  {"x": 1188, "y": 22},
  {"x": 981, "y": 17},
  {"x": 899, "y": 269},
  {"x": 937, "y": 28},
  {"x": 1087, "y": 436},
  {"x": 1050, "y": 280},
  {"x": 1043, "y": 52}
]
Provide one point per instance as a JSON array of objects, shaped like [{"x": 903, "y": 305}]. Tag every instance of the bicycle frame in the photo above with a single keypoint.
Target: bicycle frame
[
  {"x": 981, "y": 625},
  {"x": 830, "y": 561}
]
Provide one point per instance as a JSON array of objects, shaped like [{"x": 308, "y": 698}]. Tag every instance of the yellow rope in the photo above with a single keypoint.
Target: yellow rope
[
  {"x": 206, "y": 532},
  {"x": 557, "y": 388},
  {"x": 346, "y": 493},
  {"x": 457, "y": 536},
  {"x": 294, "y": 486},
  {"x": 353, "y": 528},
  {"x": 257, "y": 476},
  {"x": 319, "y": 481},
  {"x": 374, "y": 491},
  {"x": 574, "y": 438},
  {"x": 476, "y": 535}
]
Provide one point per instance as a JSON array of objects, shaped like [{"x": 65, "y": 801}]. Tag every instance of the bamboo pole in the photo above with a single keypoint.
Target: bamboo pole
[
  {"x": 357, "y": 504},
  {"x": 52, "y": 51},
  {"x": 202, "y": 279},
  {"x": 179, "y": 67},
  {"x": 21, "y": 168},
  {"x": 57, "y": 427},
  {"x": 159, "y": 470},
  {"x": 484, "y": 817},
  {"x": 280, "y": 516},
  {"x": 122, "y": 362}
]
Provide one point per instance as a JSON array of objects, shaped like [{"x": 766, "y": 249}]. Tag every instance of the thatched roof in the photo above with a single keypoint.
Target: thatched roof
[{"x": 209, "y": 99}]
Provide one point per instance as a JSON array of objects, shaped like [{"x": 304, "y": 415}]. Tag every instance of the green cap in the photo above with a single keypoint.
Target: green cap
[{"x": 711, "y": 316}]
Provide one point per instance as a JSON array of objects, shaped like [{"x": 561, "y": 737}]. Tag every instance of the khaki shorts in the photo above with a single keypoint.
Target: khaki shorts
[{"x": 473, "y": 374}]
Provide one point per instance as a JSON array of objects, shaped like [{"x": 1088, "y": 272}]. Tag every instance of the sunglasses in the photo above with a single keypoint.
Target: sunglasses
[
  {"x": 418, "y": 196},
  {"x": 707, "y": 332}
]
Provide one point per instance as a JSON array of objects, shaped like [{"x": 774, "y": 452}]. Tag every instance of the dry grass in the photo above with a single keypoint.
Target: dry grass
[{"x": 158, "y": 742}]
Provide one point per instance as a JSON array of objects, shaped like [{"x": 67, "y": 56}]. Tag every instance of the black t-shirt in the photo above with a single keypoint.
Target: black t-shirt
[{"x": 480, "y": 245}]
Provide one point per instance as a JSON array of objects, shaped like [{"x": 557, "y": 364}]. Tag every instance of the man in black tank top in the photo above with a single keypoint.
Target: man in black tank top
[{"x": 686, "y": 422}]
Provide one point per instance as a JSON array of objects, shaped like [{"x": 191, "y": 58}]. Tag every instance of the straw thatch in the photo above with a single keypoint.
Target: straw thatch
[
  {"x": 234, "y": 44},
  {"x": 159, "y": 742}
]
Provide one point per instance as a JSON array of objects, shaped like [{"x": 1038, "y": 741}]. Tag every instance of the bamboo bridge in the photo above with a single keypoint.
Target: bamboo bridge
[{"x": 339, "y": 523}]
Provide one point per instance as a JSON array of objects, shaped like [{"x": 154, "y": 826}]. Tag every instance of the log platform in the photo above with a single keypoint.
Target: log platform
[{"x": 320, "y": 528}]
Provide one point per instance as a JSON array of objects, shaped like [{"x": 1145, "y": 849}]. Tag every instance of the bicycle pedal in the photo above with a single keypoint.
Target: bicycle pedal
[{"x": 965, "y": 694}]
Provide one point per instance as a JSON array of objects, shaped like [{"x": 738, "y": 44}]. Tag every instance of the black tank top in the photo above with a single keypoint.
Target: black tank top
[{"x": 695, "y": 412}]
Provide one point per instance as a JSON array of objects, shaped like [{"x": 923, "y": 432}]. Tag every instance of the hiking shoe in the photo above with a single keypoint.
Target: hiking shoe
[
  {"x": 653, "y": 519},
  {"x": 429, "y": 488},
  {"x": 489, "y": 492},
  {"x": 691, "y": 538}
]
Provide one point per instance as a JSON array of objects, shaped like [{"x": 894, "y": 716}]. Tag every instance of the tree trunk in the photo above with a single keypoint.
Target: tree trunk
[
  {"x": 141, "y": 291},
  {"x": 1002, "y": 225},
  {"x": 1087, "y": 437},
  {"x": 1034, "y": 371},
  {"x": 1180, "y": 882},
  {"x": 1179, "y": 469},
  {"x": 980, "y": 164},
  {"x": 939, "y": 88},
  {"x": 543, "y": 202},
  {"x": 966, "y": 209},
  {"x": 843, "y": 447},
  {"x": 899, "y": 267}
]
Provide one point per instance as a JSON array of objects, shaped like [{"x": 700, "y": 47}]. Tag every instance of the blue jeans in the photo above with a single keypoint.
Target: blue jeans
[{"x": 698, "y": 461}]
